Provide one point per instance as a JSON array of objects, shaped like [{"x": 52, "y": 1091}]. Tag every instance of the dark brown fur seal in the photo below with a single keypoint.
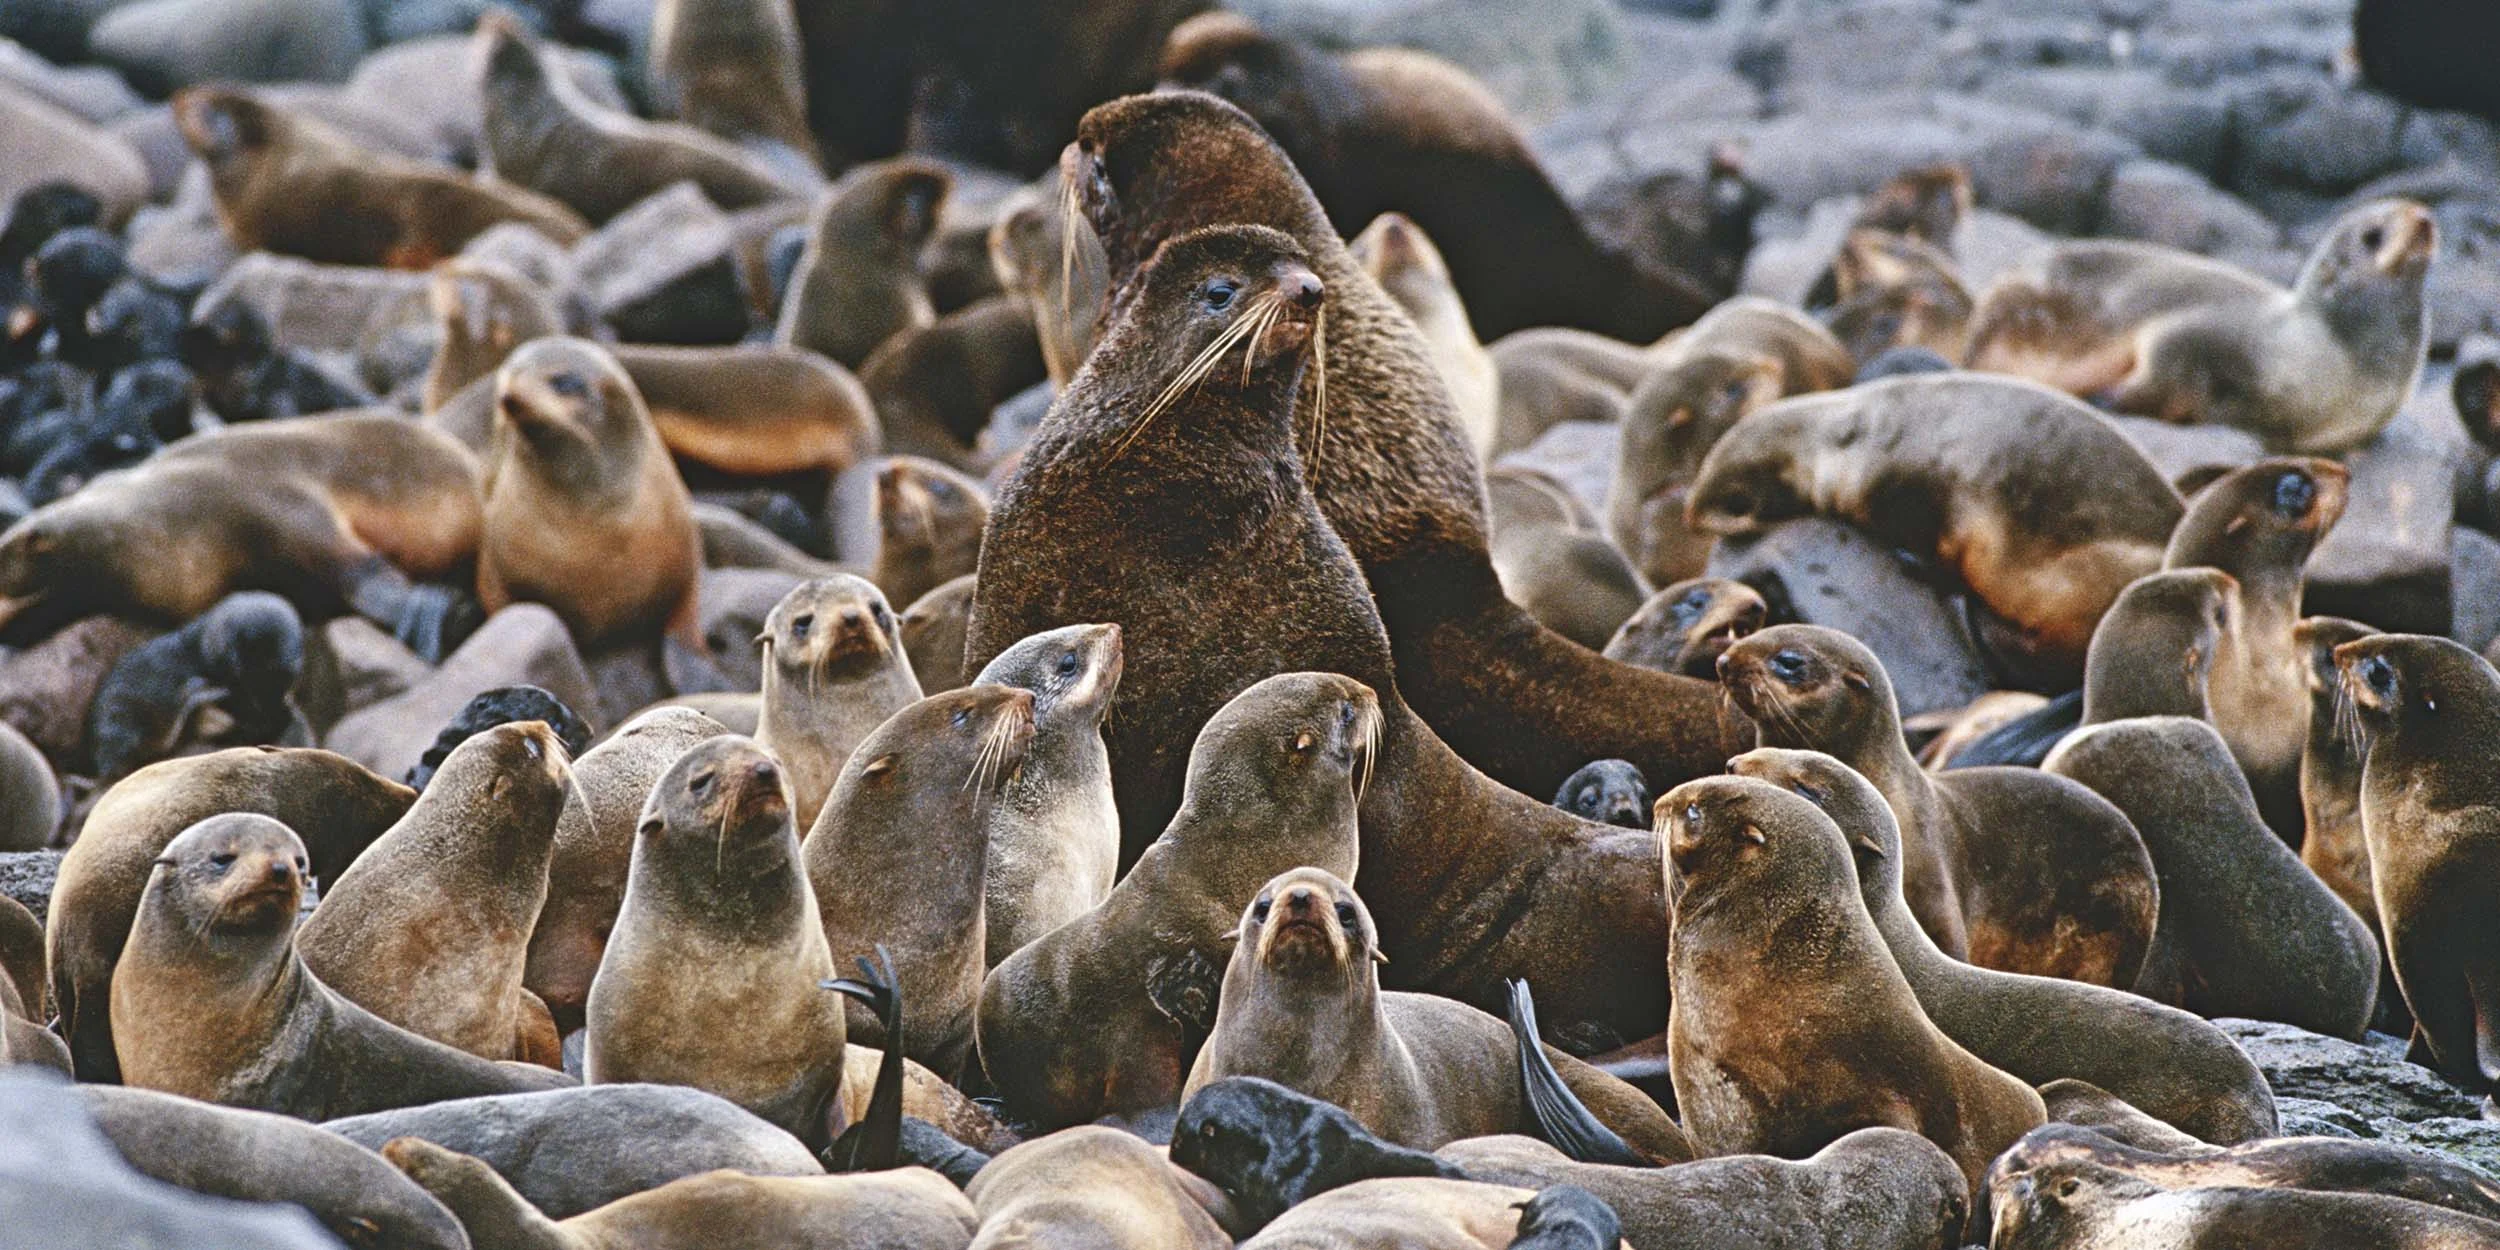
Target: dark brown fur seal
[
  {"x": 2079, "y": 1205},
  {"x": 937, "y": 386},
  {"x": 858, "y": 282},
  {"x": 929, "y": 523},
  {"x": 1686, "y": 627},
  {"x": 2318, "y": 368},
  {"x": 2040, "y": 1029},
  {"x": 1391, "y": 470},
  {"x": 211, "y": 1002},
  {"x": 731, "y": 67},
  {"x": 2041, "y": 507},
  {"x": 1209, "y": 496},
  {"x": 2333, "y": 843},
  {"x": 430, "y": 928},
  {"x": 289, "y": 184},
  {"x": 106, "y": 870},
  {"x": 1100, "y": 1017},
  {"x": 834, "y": 670},
  {"x": 2431, "y": 708},
  {"x": 1768, "y": 912},
  {"x": 1302, "y": 1006},
  {"x": 2006, "y": 867}
]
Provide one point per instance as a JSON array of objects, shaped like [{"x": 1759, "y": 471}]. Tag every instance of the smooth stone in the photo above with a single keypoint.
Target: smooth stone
[{"x": 525, "y": 644}]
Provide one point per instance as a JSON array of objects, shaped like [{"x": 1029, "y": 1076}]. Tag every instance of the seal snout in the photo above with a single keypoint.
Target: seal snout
[
  {"x": 1300, "y": 288},
  {"x": 2403, "y": 243}
]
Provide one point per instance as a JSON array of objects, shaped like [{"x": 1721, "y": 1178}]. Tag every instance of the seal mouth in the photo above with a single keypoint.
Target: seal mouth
[{"x": 2405, "y": 243}]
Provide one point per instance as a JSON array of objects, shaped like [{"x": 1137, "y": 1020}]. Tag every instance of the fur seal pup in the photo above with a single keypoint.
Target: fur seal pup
[
  {"x": 210, "y": 1000},
  {"x": 1982, "y": 474},
  {"x": 1270, "y": 1149},
  {"x": 1392, "y": 472},
  {"x": 2041, "y": 1029},
  {"x": 834, "y": 670},
  {"x": 227, "y": 678},
  {"x": 929, "y": 523},
  {"x": 731, "y": 67},
  {"x": 1401, "y": 258},
  {"x": 908, "y": 1207},
  {"x": 1686, "y": 627},
  {"x": 1550, "y": 375},
  {"x": 1054, "y": 833},
  {"x": 2245, "y": 929},
  {"x": 23, "y": 1039},
  {"x": 858, "y": 282},
  {"x": 933, "y": 630},
  {"x": 2316, "y": 369},
  {"x": 503, "y": 705},
  {"x": 2009, "y": 868},
  {"x": 753, "y": 410},
  {"x": 287, "y": 183},
  {"x": 429, "y": 929},
  {"x": 338, "y": 510},
  {"x": 255, "y": 1156},
  {"x": 1394, "y": 1212},
  {"x": 1761, "y": 881},
  {"x": 2334, "y": 845},
  {"x": 1099, "y": 1018},
  {"x": 482, "y": 310},
  {"x": 2428, "y": 705},
  {"x": 1271, "y": 589},
  {"x": 1897, "y": 291},
  {"x": 105, "y": 871},
  {"x": 1388, "y": 128},
  {"x": 584, "y": 510},
  {"x": 2318, "y": 1164},
  {"x": 2154, "y": 652},
  {"x": 1610, "y": 792},
  {"x": 1096, "y": 1187},
  {"x": 706, "y": 939},
  {"x": 897, "y": 856},
  {"x": 2080, "y": 1205},
  {"x": 1302, "y": 1006}
]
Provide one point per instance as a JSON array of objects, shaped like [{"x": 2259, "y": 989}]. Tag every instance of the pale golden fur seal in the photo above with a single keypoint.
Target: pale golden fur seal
[
  {"x": 1097, "y": 1188},
  {"x": 834, "y": 670},
  {"x": 1401, "y": 258}
]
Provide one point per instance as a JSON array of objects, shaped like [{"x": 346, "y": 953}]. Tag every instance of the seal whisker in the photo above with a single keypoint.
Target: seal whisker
[
  {"x": 1319, "y": 383},
  {"x": 1190, "y": 376},
  {"x": 1067, "y": 243}
]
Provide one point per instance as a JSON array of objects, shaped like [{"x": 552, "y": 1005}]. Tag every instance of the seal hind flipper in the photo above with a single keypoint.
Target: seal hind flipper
[
  {"x": 2027, "y": 739},
  {"x": 1561, "y": 1117},
  {"x": 874, "y": 1144}
]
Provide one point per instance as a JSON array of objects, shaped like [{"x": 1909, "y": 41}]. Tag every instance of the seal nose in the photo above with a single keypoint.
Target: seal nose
[
  {"x": 1300, "y": 901},
  {"x": 281, "y": 870},
  {"x": 1726, "y": 665},
  {"x": 854, "y": 619},
  {"x": 1301, "y": 288}
]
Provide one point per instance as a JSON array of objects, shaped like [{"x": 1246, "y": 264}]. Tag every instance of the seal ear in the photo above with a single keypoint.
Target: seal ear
[
  {"x": 1753, "y": 833},
  {"x": 879, "y": 766},
  {"x": 1866, "y": 842},
  {"x": 911, "y": 216},
  {"x": 1855, "y": 680},
  {"x": 1379, "y": 956},
  {"x": 1232, "y": 935}
]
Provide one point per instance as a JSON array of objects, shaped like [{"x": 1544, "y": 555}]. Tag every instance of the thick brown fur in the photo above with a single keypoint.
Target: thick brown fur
[
  {"x": 731, "y": 67},
  {"x": 2332, "y": 841}
]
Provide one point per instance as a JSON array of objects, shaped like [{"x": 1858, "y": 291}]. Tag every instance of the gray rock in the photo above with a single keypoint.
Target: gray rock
[
  {"x": 2474, "y": 587},
  {"x": 2360, "y": 1079},
  {"x": 2303, "y": 132},
  {"x": 525, "y": 644},
  {"x": 351, "y": 664},
  {"x": 322, "y": 308},
  {"x": 2471, "y": 1139},
  {"x": 2387, "y": 561},
  {"x": 666, "y": 271},
  {"x": 2057, "y": 180},
  {"x": 90, "y": 91},
  {"x": 1808, "y": 58},
  {"x": 1539, "y": 58},
  {"x": 45, "y": 690},
  {"x": 42, "y": 142},
  {"x": 1822, "y": 572},
  {"x": 166, "y": 44},
  {"x": 182, "y": 242},
  {"x": 27, "y": 876},
  {"x": 62, "y": 1184},
  {"x": 2307, "y": 1117}
]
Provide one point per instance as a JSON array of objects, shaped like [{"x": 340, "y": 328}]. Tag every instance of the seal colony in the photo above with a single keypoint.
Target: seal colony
[{"x": 986, "y": 656}]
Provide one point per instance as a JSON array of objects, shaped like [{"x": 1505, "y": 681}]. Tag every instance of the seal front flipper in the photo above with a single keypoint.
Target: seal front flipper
[
  {"x": 874, "y": 1144},
  {"x": 1566, "y": 1217},
  {"x": 486, "y": 1205},
  {"x": 1561, "y": 1117},
  {"x": 431, "y": 620},
  {"x": 925, "y": 1145},
  {"x": 2027, "y": 739}
]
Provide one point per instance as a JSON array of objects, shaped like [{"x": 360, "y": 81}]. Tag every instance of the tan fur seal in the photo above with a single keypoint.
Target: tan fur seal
[
  {"x": 106, "y": 870},
  {"x": 23, "y": 1039},
  {"x": 1097, "y": 1020},
  {"x": 754, "y": 410},
  {"x": 929, "y": 523},
  {"x": 1768, "y": 911},
  {"x": 933, "y": 630},
  {"x": 1898, "y": 290},
  {"x": 834, "y": 670},
  {"x": 2259, "y": 524},
  {"x": 483, "y": 310},
  {"x": 1401, "y": 258},
  {"x": 1393, "y": 1213},
  {"x": 1986, "y": 475},
  {"x": 2040, "y": 1029},
  {"x": 1391, "y": 471},
  {"x": 858, "y": 282},
  {"x": 938, "y": 386},
  {"x": 731, "y": 67},
  {"x": 1095, "y": 1187},
  {"x": 1210, "y": 496},
  {"x": 2079, "y": 1205},
  {"x": 541, "y": 132},
  {"x": 1553, "y": 562},
  {"x": 430, "y": 928},
  {"x": 2334, "y": 845},
  {"x": 2318, "y": 1164},
  {"x": 896, "y": 857},
  {"x": 1686, "y": 627},
  {"x": 1054, "y": 833},
  {"x": 1742, "y": 355},
  {"x": 211, "y": 1002},
  {"x": 336, "y": 510},
  {"x": 2318, "y": 368},
  {"x": 1548, "y": 375},
  {"x": 33, "y": 813},
  {"x": 2431, "y": 708},
  {"x": 712, "y": 977},
  {"x": 1045, "y": 254},
  {"x": 734, "y": 1211},
  {"x": 1302, "y": 1006},
  {"x": 584, "y": 510},
  {"x": 2007, "y": 867},
  {"x": 2245, "y": 929},
  {"x": 594, "y": 851},
  {"x": 287, "y": 183},
  {"x": 2153, "y": 653}
]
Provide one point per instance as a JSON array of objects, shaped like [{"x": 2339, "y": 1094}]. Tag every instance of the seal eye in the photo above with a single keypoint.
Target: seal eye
[
  {"x": 702, "y": 783},
  {"x": 2293, "y": 493},
  {"x": 1067, "y": 664},
  {"x": 1219, "y": 294},
  {"x": 1692, "y": 815},
  {"x": 1733, "y": 393},
  {"x": 2380, "y": 676},
  {"x": 1348, "y": 918},
  {"x": 569, "y": 384},
  {"x": 221, "y": 861},
  {"x": 876, "y": 612},
  {"x": 1259, "y": 910},
  {"x": 800, "y": 624},
  {"x": 1788, "y": 666},
  {"x": 962, "y": 717},
  {"x": 2372, "y": 238}
]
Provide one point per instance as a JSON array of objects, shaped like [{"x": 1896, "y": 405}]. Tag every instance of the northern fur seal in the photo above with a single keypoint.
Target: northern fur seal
[
  {"x": 834, "y": 670},
  {"x": 753, "y": 409},
  {"x": 227, "y": 678},
  {"x": 1100, "y": 1018},
  {"x": 1767, "y": 909},
  {"x": 2321, "y": 1164},
  {"x": 1401, "y": 258},
  {"x": 1045, "y": 254},
  {"x": 1985, "y": 475},
  {"x": 2008, "y": 867},
  {"x": 1390, "y": 469},
  {"x": 1392, "y": 1212},
  {"x": 2318, "y": 368},
  {"x": 929, "y": 523},
  {"x": 933, "y": 629},
  {"x": 1096, "y": 1187},
  {"x": 1302, "y": 1006},
  {"x": 210, "y": 1000},
  {"x": 1686, "y": 627},
  {"x": 1054, "y": 833},
  {"x": 2078, "y": 1205},
  {"x": 2430, "y": 706},
  {"x": 1270, "y": 589},
  {"x": 1270, "y": 1148},
  {"x": 858, "y": 282},
  {"x": 2171, "y": 1064},
  {"x": 107, "y": 869},
  {"x": 288, "y": 183},
  {"x": 2333, "y": 843},
  {"x": 429, "y": 929},
  {"x": 731, "y": 67}
]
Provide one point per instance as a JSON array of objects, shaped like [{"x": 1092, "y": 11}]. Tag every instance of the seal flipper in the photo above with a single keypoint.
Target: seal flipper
[
  {"x": 926, "y": 1145},
  {"x": 1184, "y": 987},
  {"x": 874, "y": 1144},
  {"x": 432, "y": 620},
  {"x": 1561, "y": 1117},
  {"x": 2025, "y": 740},
  {"x": 1567, "y": 1217}
]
